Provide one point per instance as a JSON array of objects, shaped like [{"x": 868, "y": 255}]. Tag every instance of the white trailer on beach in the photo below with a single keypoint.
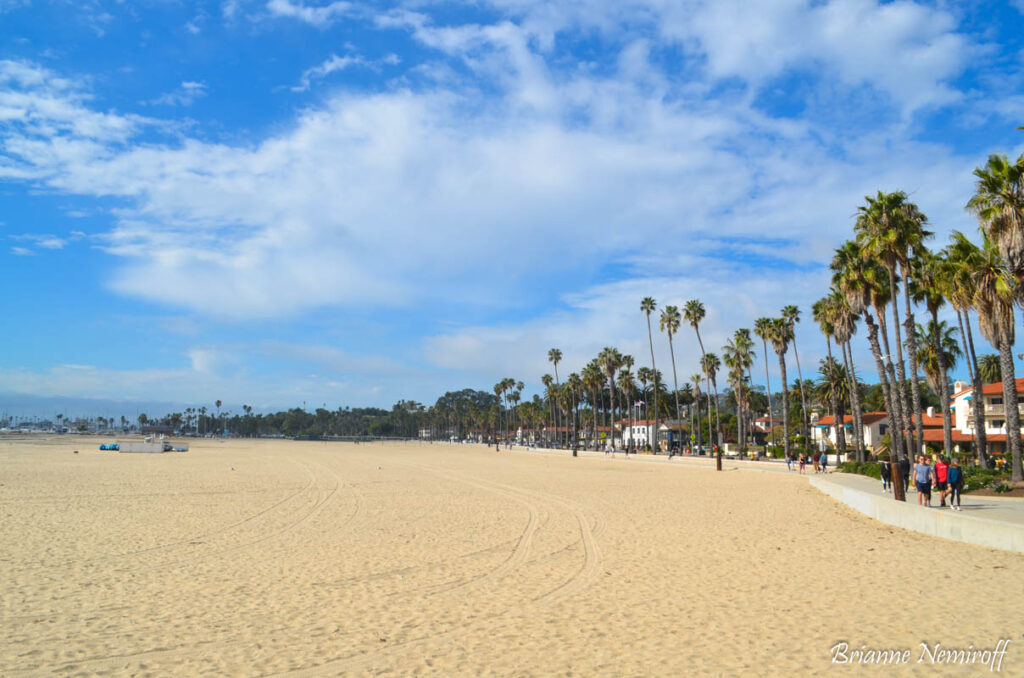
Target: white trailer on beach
[{"x": 152, "y": 446}]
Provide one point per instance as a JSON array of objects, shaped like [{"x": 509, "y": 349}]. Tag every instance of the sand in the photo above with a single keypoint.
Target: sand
[{"x": 253, "y": 558}]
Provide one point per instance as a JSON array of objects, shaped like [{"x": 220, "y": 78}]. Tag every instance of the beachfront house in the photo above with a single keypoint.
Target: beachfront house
[
  {"x": 963, "y": 416},
  {"x": 876, "y": 425}
]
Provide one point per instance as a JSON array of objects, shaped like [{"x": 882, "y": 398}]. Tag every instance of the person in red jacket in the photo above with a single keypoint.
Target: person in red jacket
[{"x": 941, "y": 469}]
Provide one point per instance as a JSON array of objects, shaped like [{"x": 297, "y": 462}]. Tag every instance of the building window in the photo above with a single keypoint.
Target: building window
[
  {"x": 882, "y": 428},
  {"x": 997, "y": 401},
  {"x": 998, "y": 423}
]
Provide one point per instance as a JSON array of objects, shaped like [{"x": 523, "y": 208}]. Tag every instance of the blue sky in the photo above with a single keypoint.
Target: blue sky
[{"x": 272, "y": 202}]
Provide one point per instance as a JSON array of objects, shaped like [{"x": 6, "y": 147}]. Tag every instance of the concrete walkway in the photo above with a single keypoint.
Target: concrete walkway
[{"x": 995, "y": 522}]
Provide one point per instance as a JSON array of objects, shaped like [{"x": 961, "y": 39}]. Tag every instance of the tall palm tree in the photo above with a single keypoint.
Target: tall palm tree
[
  {"x": 928, "y": 282},
  {"x": 555, "y": 357},
  {"x": 610, "y": 360},
  {"x": 995, "y": 298},
  {"x": 834, "y": 388},
  {"x": 648, "y": 306},
  {"x": 669, "y": 323},
  {"x": 548, "y": 382},
  {"x": 824, "y": 312},
  {"x": 998, "y": 202},
  {"x": 791, "y": 314},
  {"x": 780, "y": 334},
  {"x": 710, "y": 364},
  {"x": 574, "y": 385},
  {"x": 962, "y": 257},
  {"x": 696, "y": 378},
  {"x": 844, "y": 324},
  {"x": 882, "y": 227},
  {"x": 864, "y": 284},
  {"x": 762, "y": 328},
  {"x": 937, "y": 351},
  {"x": 694, "y": 313},
  {"x": 627, "y": 387},
  {"x": 593, "y": 382},
  {"x": 738, "y": 356}
]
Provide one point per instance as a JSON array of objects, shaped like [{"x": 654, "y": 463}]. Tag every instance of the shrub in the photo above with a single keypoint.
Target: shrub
[{"x": 864, "y": 468}]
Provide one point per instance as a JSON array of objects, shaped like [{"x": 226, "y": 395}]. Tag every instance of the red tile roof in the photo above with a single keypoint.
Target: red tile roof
[
  {"x": 868, "y": 417},
  {"x": 995, "y": 388}
]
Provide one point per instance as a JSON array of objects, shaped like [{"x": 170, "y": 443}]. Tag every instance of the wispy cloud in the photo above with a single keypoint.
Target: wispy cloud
[
  {"x": 184, "y": 95},
  {"x": 330, "y": 65},
  {"x": 314, "y": 15},
  {"x": 22, "y": 252}
]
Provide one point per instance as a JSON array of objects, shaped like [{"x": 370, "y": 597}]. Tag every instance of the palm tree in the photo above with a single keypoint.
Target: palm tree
[
  {"x": 696, "y": 378},
  {"x": 844, "y": 324},
  {"x": 574, "y": 385},
  {"x": 762, "y": 328},
  {"x": 834, "y": 388},
  {"x": 994, "y": 300},
  {"x": 998, "y": 203},
  {"x": 627, "y": 387},
  {"x": 791, "y": 314},
  {"x": 710, "y": 364},
  {"x": 739, "y": 356},
  {"x": 694, "y": 312},
  {"x": 962, "y": 257},
  {"x": 648, "y": 306},
  {"x": 669, "y": 323},
  {"x": 989, "y": 367},
  {"x": 593, "y": 381},
  {"x": 555, "y": 357},
  {"x": 824, "y": 313},
  {"x": 883, "y": 228},
  {"x": 218, "y": 404},
  {"x": 610, "y": 360},
  {"x": 937, "y": 351},
  {"x": 928, "y": 287},
  {"x": 548, "y": 382},
  {"x": 780, "y": 334},
  {"x": 863, "y": 283}
]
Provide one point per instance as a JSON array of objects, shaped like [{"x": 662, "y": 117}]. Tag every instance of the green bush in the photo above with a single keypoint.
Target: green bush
[
  {"x": 864, "y": 468},
  {"x": 976, "y": 478}
]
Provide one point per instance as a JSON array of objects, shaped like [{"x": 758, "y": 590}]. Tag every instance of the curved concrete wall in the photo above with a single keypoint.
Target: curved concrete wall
[{"x": 958, "y": 526}]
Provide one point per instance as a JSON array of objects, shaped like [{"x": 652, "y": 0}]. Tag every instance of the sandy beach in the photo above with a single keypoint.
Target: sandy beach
[{"x": 253, "y": 558}]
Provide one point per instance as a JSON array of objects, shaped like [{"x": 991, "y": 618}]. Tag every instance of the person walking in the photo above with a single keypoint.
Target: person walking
[
  {"x": 955, "y": 478},
  {"x": 824, "y": 461},
  {"x": 904, "y": 466},
  {"x": 789, "y": 461},
  {"x": 886, "y": 471},
  {"x": 817, "y": 461},
  {"x": 803, "y": 462},
  {"x": 924, "y": 478},
  {"x": 941, "y": 471}
]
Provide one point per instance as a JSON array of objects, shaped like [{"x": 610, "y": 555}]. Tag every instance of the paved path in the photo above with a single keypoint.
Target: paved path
[{"x": 987, "y": 521}]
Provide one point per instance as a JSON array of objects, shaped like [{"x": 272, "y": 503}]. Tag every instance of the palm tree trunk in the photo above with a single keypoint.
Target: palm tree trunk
[
  {"x": 768, "y": 385},
  {"x": 654, "y": 368},
  {"x": 947, "y": 417},
  {"x": 901, "y": 372},
  {"x": 803, "y": 399},
  {"x": 895, "y": 453},
  {"x": 837, "y": 417},
  {"x": 915, "y": 383},
  {"x": 900, "y": 444},
  {"x": 977, "y": 401},
  {"x": 858, "y": 425},
  {"x": 785, "y": 405},
  {"x": 675, "y": 381},
  {"x": 1012, "y": 413}
]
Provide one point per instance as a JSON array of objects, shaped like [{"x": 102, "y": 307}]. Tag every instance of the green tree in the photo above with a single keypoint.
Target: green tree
[{"x": 648, "y": 306}]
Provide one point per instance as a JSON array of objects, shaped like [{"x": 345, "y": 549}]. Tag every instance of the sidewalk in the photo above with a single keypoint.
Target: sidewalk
[
  {"x": 995, "y": 522},
  {"x": 987, "y": 521}
]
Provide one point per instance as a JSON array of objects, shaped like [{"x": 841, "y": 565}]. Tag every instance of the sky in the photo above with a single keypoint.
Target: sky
[{"x": 309, "y": 203}]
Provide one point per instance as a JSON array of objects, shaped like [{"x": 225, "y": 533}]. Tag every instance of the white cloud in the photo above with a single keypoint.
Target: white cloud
[
  {"x": 404, "y": 198},
  {"x": 22, "y": 252},
  {"x": 328, "y": 66},
  {"x": 184, "y": 95},
  {"x": 316, "y": 16}
]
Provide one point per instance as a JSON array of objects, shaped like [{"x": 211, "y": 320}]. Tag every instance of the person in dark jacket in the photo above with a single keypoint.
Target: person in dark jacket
[
  {"x": 886, "y": 471},
  {"x": 904, "y": 466},
  {"x": 955, "y": 478}
]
